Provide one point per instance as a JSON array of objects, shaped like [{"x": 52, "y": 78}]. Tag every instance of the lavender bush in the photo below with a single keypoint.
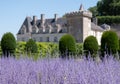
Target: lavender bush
[{"x": 59, "y": 71}]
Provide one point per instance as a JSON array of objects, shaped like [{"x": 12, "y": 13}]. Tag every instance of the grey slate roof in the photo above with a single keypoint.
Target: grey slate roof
[
  {"x": 105, "y": 26},
  {"x": 60, "y": 21},
  {"x": 96, "y": 27},
  {"x": 28, "y": 23}
]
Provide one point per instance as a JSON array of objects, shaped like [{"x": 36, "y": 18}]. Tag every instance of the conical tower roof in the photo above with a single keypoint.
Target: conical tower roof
[{"x": 81, "y": 7}]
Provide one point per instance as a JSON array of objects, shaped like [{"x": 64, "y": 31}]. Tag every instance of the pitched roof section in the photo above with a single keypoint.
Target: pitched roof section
[
  {"x": 96, "y": 27},
  {"x": 27, "y": 24},
  {"x": 105, "y": 26},
  {"x": 60, "y": 21}
]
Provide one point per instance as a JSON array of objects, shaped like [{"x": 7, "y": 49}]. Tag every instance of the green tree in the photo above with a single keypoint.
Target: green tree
[
  {"x": 31, "y": 46},
  {"x": 109, "y": 42},
  {"x": 67, "y": 45},
  {"x": 119, "y": 47},
  {"x": 8, "y": 44},
  {"x": 108, "y": 7},
  {"x": 94, "y": 11},
  {"x": 90, "y": 46}
]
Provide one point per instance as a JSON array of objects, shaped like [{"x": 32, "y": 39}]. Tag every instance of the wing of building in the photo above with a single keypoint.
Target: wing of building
[{"x": 76, "y": 23}]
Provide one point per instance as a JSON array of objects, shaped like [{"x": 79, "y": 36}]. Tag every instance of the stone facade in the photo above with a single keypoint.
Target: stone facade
[
  {"x": 76, "y": 23},
  {"x": 80, "y": 24}
]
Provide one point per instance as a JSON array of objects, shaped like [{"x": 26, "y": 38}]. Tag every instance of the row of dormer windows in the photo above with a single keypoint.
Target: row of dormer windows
[{"x": 54, "y": 30}]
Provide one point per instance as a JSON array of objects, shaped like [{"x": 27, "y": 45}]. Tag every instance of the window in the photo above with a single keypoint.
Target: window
[
  {"x": 23, "y": 39},
  {"x": 40, "y": 39},
  {"x": 34, "y": 38},
  {"x": 47, "y": 39},
  {"x": 33, "y": 31},
  {"x": 23, "y": 30},
  {"x": 55, "y": 39}
]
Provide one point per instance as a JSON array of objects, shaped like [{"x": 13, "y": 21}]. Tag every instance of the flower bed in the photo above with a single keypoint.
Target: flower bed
[{"x": 59, "y": 71}]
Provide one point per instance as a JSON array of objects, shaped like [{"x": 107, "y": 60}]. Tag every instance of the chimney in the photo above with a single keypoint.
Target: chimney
[
  {"x": 42, "y": 18},
  {"x": 34, "y": 20},
  {"x": 56, "y": 17},
  {"x": 95, "y": 20}
]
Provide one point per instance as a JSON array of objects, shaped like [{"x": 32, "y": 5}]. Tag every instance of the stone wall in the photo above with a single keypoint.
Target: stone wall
[
  {"x": 76, "y": 28},
  {"x": 79, "y": 24},
  {"x": 47, "y": 37},
  {"x": 23, "y": 37},
  {"x": 41, "y": 37},
  {"x": 86, "y": 27}
]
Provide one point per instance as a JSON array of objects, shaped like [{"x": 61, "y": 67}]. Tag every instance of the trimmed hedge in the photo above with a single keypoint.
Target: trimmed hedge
[
  {"x": 119, "y": 47},
  {"x": 108, "y": 19},
  {"x": 44, "y": 48},
  {"x": 31, "y": 46},
  {"x": 90, "y": 46},
  {"x": 109, "y": 42},
  {"x": 67, "y": 45},
  {"x": 8, "y": 44}
]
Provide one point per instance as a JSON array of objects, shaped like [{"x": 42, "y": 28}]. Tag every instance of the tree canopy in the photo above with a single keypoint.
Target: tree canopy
[
  {"x": 106, "y": 7},
  {"x": 109, "y": 42},
  {"x": 8, "y": 44},
  {"x": 90, "y": 45},
  {"x": 93, "y": 10},
  {"x": 31, "y": 46},
  {"x": 67, "y": 44}
]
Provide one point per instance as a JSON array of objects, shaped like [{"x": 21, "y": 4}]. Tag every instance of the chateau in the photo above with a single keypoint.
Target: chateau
[{"x": 76, "y": 23}]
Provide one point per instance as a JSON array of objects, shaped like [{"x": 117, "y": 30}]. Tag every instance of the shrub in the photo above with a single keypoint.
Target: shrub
[
  {"x": 31, "y": 46},
  {"x": 53, "y": 48},
  {"x": 20, "y": 48},
  {"x": 90, "y": 46},
  {"x": 45, "y": 48},
  {"x": 108, "y": 19},
  {"x": 67, "y": 45},
  {"x": 8, "y": 44},
  {"x": 79, "y": 48},
  {"x": 119, "y": 47},
  {"x": 109, "y": 42}
]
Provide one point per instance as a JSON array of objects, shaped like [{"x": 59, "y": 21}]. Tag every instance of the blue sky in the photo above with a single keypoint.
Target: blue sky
[{"x": 13, "y": 12}]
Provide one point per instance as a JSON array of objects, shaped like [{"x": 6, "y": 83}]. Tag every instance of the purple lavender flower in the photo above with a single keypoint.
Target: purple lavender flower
[{"x": 59, "y": 71}]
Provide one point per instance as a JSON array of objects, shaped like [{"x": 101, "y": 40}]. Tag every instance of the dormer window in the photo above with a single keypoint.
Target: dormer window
[
  {"x": 64, "y": 30},
  {"x": 23, "y": 30},
  {"x": 34, "y": 29},
  {"x": 47, "y": 30},
  {"x": 40, "y": 30}
]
